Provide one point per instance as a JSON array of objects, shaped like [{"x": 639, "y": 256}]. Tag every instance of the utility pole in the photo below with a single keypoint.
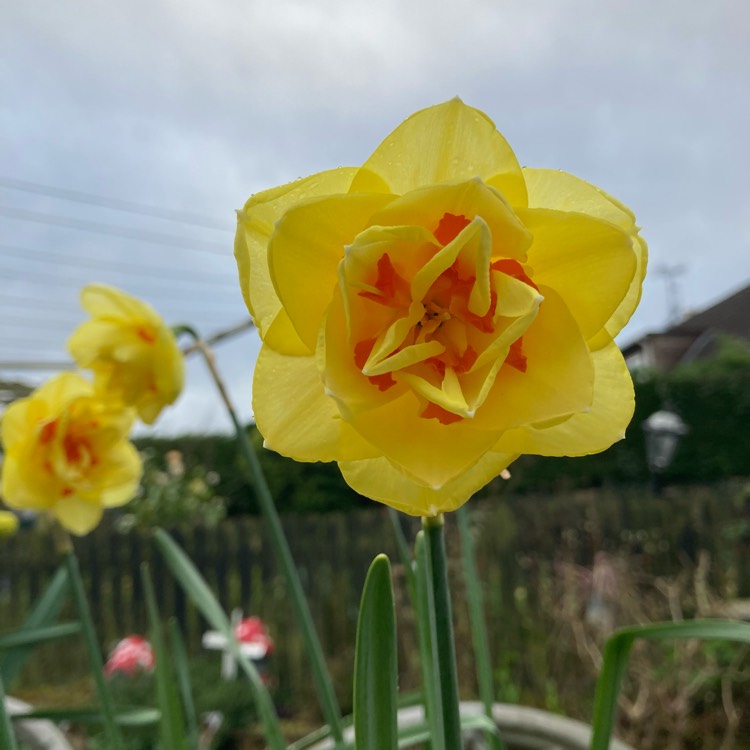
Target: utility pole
[{"x": 671, "y": 275}]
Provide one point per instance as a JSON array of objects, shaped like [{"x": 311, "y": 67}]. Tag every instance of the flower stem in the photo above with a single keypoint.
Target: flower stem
[
  {"x": 111, "y": 730},
  {"x": 323, "y": 684},
  {"x": 478, "y": 626},
  {"x": 7, "y": 738},
  {"x": 444, "y": 646}
]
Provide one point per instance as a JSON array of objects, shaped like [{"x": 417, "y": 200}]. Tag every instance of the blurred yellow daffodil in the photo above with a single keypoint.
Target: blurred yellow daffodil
[
  {"x": 131, "y": 351},
  {"x": 67, "y": 453},
  {"x": 433, "y": 314},
  {"x": 8, "y": 523}
]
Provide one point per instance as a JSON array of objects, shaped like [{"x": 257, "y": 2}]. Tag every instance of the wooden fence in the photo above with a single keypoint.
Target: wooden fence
[{"x": 521, "y": 544}]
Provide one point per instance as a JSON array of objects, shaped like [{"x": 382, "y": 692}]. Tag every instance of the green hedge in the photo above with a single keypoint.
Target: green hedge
[{"x": 712, "y": 397}]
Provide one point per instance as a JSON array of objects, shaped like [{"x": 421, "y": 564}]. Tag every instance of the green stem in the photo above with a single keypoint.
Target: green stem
[
  {"x": 323, "y": 684},
  {"x": 427, "y": 636},
  {"x": 478, "y": 625},
  {"x": 444, "y": 646},
  {"x": 111, "y": 730},
  {"x": 7, "y": 738}
]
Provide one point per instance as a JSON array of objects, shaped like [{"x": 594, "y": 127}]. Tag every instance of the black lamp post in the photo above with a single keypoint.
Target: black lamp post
[{"x": 664, "y": 430}]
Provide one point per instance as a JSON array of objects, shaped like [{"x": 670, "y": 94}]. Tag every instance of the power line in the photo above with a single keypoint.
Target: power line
[
  {"x": 164, "y": 302},
  {"x": 128, "y": 266},
  {"x": 141, "y": 235},
  {"x": 71, "y": 271},
  {"x": 215, "y": 338},
  {"x": 117, "y": 204}
]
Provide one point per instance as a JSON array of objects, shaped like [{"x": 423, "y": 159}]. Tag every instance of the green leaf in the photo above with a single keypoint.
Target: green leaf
[
  {"x": 197, "y": 589},
  {"x": 375, "y": 662},
  {"x": 45, "y": 612},
  {"x": 96, "y": 666},
  {"x": 171, "y": 724},
  {"x": 131, "y": 717},
  {"x": 617, "y": 651},
  {"x": 7, "y": 740},
  {"x": 182, "y": 670},
  {"x": 34, "y": 636}
]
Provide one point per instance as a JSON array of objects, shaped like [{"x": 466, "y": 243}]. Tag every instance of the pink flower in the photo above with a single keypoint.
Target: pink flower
[
  {"x": 252, "y": 630},
  {"x": 130, "y": 656}
]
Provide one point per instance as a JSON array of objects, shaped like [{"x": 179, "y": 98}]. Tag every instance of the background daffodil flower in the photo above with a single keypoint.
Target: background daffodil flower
[
  {"x": 67, "y": 453},
  {"x": 433, "y": 314},
  {"x": 8, "y": 523},
  {"x": 133, "y": 354}
]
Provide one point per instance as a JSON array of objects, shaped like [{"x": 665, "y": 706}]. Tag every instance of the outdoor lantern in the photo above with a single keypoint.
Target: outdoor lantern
[{"x": 663, "y": 429}]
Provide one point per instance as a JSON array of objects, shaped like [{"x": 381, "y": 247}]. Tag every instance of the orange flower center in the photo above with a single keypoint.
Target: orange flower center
[{"x": 446, "y": 335}]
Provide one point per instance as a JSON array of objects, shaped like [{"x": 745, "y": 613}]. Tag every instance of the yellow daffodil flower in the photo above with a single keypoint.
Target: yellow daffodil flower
[
  {"x": 132, "y": 352},
  {"x": 67, "y": 453},
  {"x": 433, "y": 314},
  {"x": 8, "y": 523}
]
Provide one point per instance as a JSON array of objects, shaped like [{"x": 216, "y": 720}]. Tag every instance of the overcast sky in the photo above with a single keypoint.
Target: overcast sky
[{"x": 189, "y": 107}]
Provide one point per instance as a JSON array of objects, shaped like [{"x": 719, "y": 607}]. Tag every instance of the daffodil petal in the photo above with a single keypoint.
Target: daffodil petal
[
  {"x": 295, "y": 416},
  {"x": 342, "y": 380},
  {"x": 77, "y": 515},
  {"x": 589, "y": 262},
  {"x": 123, "y": 476},
  {"x": 427, "y": 206},
  {"x": 430, "y": 452},
  {"x": 281, "y": 336},
  {"x": 306, "y": 249},
  {"x": 448, "y": 142},
  {"x": 102, "y": 301},
  {"x": 22, "y": 489},
  {"x": 380, "y": 480},
  {"x": 561, "y": 191},
  {"x": 596, "y": 430},
  {"x": 559, "y": 378},
  {"x": 255, "y": 225}
]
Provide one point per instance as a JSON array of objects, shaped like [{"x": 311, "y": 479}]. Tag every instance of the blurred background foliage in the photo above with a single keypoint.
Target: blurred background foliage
[{"x": 712, "y": 397}]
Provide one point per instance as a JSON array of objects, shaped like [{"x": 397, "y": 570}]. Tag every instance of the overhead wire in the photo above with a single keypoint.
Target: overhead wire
[
  {"x": 35, "y": 331},
  {"x": 85, "y": 261},
  {"x": 143, "y": 235},
  {"x": 69, "y": 270},
  {"x": 117, "y": 204}
]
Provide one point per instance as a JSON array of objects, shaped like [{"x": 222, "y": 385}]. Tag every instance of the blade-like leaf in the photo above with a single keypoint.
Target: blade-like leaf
[
  {"x": 616, "y": 654},
  {"x": 199, "y": 592},
  {"x": 96, "y": 666},
  {"x": 171, "y": 725},
  {"x": 45, "y": 612},
  {"x": 7, "y": 740},
  {"x": 125, "y": 717},
  {"x": 375, "y": 662},
  {"x": 183, "y": 682},
  {"x": 35, "y": 636}
]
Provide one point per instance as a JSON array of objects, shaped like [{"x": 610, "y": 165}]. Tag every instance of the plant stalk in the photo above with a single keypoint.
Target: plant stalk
[
  {"x": 111, "y": 730},
  {"x": 323, "y": 684},
  {"x": 444, "y": 645},
  {"x": 478, "y": 626}
]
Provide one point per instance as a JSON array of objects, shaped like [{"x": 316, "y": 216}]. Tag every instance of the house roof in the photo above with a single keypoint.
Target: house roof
[
  {"x": 692, "y": 338},
  {"x": 731, "y": 315}
]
